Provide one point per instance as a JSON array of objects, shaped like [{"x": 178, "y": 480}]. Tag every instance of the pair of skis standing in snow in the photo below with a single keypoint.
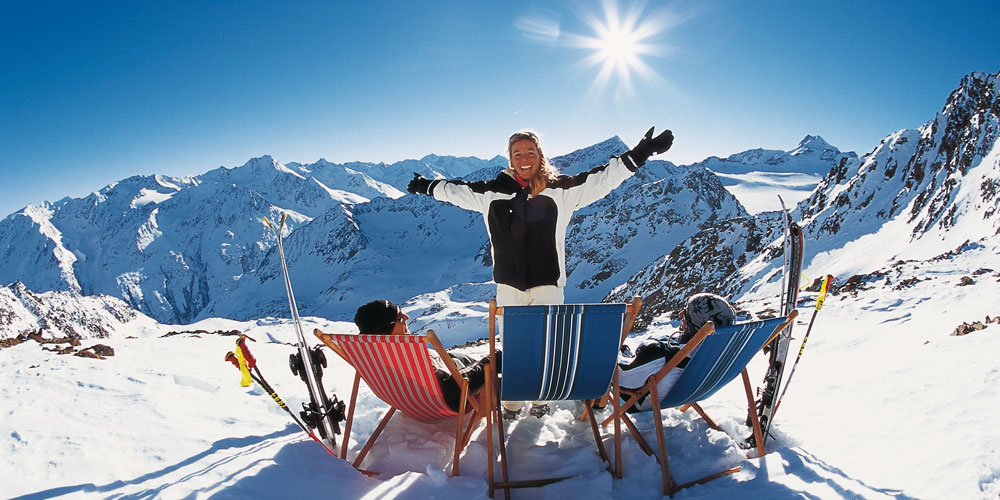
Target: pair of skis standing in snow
[
  {"x": 321, "y": 412},
  {"x": 324, "y": 414},
  {"x": 768, "y": 396}
]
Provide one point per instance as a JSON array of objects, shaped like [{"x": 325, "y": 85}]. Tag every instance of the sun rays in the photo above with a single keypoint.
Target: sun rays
[{"x": 619, "y": 45}]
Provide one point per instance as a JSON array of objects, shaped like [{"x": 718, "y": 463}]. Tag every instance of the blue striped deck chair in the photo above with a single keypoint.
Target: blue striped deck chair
[
  {"x": 555, "y": 353},
  {"x": 722, "y": 354}
]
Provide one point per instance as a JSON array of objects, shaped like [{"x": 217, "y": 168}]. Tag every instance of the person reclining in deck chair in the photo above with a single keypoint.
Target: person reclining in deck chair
[
  {"x": 384, "y": 317},
  {"x": 653, "y": 353}
]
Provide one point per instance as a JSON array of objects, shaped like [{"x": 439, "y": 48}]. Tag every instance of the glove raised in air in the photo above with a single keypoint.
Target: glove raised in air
[
  {"x": 419, "y": 184},
  {"x": 649, "y": 146}
]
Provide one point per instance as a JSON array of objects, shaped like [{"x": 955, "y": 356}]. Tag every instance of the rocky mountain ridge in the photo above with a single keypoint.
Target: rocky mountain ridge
[
  {"x": 919, "y": 195},
  {"x": 25, "y": 313}
]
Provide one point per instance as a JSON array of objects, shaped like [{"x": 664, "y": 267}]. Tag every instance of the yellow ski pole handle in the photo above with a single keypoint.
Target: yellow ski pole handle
[
  {"x": 247, "y": 379},
  {"x": 827, "y": 281}
]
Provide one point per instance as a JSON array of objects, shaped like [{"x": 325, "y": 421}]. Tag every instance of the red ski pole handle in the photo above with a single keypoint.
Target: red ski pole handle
[
  {"x": 231, "y": 357},
  {"x": 242, "y": 344}
]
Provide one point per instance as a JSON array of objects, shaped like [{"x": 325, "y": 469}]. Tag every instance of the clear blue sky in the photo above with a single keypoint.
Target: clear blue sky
[{"x": 93, "y": 92}]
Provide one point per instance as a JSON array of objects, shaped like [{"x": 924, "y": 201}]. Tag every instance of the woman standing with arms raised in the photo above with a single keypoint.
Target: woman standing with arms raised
[{"x": 527, "y": 209}]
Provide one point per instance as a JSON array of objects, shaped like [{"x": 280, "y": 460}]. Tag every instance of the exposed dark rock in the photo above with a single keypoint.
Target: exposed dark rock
[
  {"x": 967, "y": 328},
  {"x": 226, "y": 333},
  {"x": 103, "y": 350},
  {"x": 87, "y": 353},
  {"x": 37, "y": 337},
  {"x": 60, "y": 350},
  {"x": 860, "y": 282},
  {"x": 11, "y": 342},
  {"x": 906, "y": 283}
]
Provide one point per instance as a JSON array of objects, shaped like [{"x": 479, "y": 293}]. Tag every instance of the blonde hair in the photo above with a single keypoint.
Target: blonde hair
[{"x": 546, "y": 173}]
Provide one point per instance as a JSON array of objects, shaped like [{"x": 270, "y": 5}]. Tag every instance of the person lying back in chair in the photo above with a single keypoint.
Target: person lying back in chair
[
  {"x": 384, "y": 317},
  {"x": 653, "y": 353}
]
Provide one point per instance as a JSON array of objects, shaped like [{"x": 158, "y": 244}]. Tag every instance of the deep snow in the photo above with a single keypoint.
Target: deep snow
[{"x": 884, "y": 404}]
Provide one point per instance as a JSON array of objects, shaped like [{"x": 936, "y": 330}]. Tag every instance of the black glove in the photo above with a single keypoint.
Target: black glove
[
  {"x": 649, "y": 146},
  {"x": 419, "y": 184}
]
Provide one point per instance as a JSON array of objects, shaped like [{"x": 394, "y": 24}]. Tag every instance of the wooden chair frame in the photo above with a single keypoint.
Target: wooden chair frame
[
  {"x": 494, "y": 417},
  {"x": 467, "y": 400},
  {"x": 649, "y": 388}
]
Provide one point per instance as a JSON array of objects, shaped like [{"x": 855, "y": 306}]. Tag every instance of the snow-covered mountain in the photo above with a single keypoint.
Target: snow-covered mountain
[
  {"x": 757, "y": 175},
  {"x": 180, "y": 249},
  {"x": 373, "y": 180},
  {"x": 50, "y": 315},
  {"x": 920, "y": 195},
  {"x": 171, "y": 246},
  {"x": 813, "y": 156},
  {"x": 184, "y": 249},
  {"x": 649, "y": 214},
  {"x": 404, "y": 247}
]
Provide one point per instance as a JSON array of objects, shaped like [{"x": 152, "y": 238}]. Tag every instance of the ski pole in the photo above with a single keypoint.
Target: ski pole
[
  {"x": 244, "y": 361},
  {"x": 827, "y": 281}
]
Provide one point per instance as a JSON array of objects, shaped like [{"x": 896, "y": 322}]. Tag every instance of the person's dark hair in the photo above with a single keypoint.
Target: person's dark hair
[{"x": 377, "y": 317}]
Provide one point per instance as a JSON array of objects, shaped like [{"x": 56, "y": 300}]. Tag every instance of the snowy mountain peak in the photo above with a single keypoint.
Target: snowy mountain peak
[
  {"x": 812, "y": 143},
  {"x": 267, "y": 163},
  {"x": 813, "y": 156},
  {"x": 587, "y": 158}
]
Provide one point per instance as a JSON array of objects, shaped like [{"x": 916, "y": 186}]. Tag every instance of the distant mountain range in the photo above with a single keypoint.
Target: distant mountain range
[
  {"x": 812, "y": 156},
  {"x": 183, "y": 249}
]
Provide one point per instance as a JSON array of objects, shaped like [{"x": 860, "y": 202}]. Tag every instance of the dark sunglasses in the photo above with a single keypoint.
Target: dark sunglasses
[{"x": 522, "y": 135}]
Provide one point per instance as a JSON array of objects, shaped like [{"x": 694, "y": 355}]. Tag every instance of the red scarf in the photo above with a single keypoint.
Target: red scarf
[{"x": 521, "y": 181}]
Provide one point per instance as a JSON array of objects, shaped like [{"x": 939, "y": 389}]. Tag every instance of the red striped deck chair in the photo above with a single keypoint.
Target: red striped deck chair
[{"x": 398, "y": 369}]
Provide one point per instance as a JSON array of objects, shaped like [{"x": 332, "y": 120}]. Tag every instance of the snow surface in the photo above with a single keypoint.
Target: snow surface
[
  {"x": 757, "y": 190},
  {"x": 885, "y": 404}
]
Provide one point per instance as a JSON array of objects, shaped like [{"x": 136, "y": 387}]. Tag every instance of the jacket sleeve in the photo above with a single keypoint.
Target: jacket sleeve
[
  {"x": 587, "y": 187},
  {"x": 467, "y": 195}
]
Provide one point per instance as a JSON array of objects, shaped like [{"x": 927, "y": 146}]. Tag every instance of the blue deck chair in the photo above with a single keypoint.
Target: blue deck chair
[
  {"x": 555, "y": 353},
  {"x": 723, "y": 354}
]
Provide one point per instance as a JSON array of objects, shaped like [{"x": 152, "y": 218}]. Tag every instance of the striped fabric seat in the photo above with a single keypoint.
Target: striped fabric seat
[
  {"x": 717, "y": 356},
  {"x": 398, "y": 369},
  {"x": 555, "y": 353},
  {"x": 719, "y": 359},
  {"x": 559, "y": 352}
]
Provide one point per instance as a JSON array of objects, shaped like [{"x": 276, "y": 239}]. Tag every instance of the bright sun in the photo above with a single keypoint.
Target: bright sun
[{"x": 618, "y": 45}]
